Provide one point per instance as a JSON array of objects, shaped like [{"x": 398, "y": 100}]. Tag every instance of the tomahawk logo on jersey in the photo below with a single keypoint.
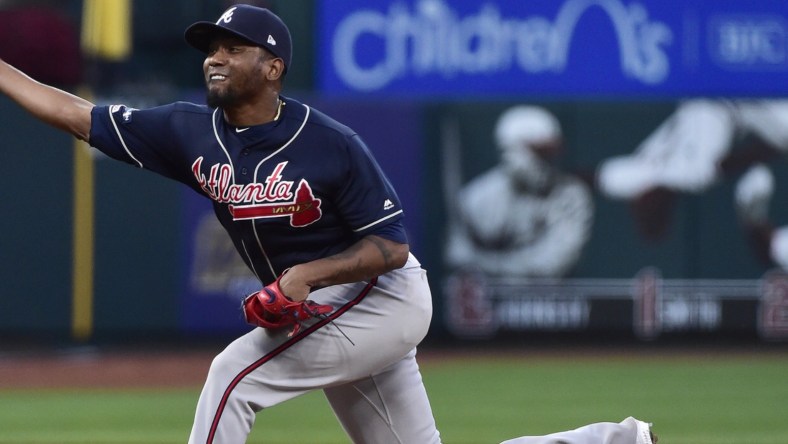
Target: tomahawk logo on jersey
[{"x": 279, "y": 206}]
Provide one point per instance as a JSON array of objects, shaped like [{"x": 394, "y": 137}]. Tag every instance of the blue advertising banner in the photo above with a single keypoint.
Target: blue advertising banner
[{"x": 586, "y": 48}]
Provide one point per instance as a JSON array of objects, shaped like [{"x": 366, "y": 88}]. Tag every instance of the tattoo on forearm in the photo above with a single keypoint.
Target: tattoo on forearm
[
  {"x": 360, "y": 268},
  {"x": 382, "y": 248}
]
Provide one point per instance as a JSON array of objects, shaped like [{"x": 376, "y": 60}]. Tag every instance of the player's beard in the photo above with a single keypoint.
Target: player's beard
[
  {"x": 231, "y": 94},
  {"x": 221, "y": 98},
  {"x": 243, "y": 87}
]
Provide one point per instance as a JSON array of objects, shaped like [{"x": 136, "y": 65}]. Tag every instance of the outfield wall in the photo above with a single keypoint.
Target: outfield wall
[
  {"x": 429, "y": 117},
  {"x": 152, "y": 275}
]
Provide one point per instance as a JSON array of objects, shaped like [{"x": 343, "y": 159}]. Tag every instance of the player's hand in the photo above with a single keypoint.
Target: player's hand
[
  {"x": 270, "y": 308},
  {"x": 293, "y": 285}
]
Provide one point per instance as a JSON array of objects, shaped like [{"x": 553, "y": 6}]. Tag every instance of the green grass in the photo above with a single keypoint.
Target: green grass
[{"x": 691, "y": 399}]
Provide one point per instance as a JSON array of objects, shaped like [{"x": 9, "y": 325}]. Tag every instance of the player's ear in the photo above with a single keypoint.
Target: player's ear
[{"x": 274, "y": 69}]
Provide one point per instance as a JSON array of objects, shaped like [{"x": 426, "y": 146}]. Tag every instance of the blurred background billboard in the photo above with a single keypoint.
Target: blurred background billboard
[
  {"x": 590, "y": 168},
  {"x": 569, "y": 48}
]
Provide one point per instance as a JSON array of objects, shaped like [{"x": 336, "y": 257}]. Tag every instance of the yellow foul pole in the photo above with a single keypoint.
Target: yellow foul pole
[{"x": 106, "y": 35}]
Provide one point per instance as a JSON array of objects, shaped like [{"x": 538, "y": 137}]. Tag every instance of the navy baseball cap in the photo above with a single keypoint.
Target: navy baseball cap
[{"x": 259, "y": 26}]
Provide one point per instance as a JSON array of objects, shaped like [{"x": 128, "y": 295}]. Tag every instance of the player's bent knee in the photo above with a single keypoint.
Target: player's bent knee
[{"x": 224, "y": 365}]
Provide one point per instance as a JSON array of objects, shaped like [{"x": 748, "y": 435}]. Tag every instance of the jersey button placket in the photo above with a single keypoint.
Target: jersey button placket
[{"x": 244, "y": 152}]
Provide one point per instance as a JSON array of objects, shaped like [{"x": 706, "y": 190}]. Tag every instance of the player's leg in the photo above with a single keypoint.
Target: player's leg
[
  {"x": 391, "y": 405},
  {"x": 388, "y": 407},
  {"x": 264, "y": 368},
  {"x": 245, "y": 377},
  {"x": 628, "y": 431}
]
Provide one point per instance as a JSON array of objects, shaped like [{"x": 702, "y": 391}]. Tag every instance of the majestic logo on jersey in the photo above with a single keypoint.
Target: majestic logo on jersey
[{"x": 272, "y": 198}]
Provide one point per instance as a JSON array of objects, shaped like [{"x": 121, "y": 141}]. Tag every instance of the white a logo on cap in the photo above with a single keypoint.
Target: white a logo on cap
[
  {"x": 227, "y": 16},
  {"x": 271, "y": 40}
]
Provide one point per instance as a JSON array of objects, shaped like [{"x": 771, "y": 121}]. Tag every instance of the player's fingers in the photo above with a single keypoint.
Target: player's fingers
[{"x": 293, "y": 286}]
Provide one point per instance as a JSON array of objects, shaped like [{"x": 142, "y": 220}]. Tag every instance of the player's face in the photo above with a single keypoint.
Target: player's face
[
  {"x": 526, "y": 166},
  {"x": 233, "y": 72}
]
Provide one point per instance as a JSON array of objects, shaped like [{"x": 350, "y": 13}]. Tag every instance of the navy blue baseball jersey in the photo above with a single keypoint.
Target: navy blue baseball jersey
[{"x": 296, "y": 189}]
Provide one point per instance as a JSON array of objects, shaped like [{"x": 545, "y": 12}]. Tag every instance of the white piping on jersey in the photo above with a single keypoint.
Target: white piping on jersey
[
  {"x": 377, "y": 221},
  {"x": 297, "y": 133},
  {"x": 259, "y": 244},
  {"x": 257, "y": 169},
  {"x": 254, "y": 270},
  {"x": 232, "y": 174},
  {"x": 226, "y": 153},
  {"x": 120, "y": 137}
]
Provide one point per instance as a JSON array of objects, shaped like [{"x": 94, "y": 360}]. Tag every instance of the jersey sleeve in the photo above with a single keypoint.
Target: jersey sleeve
[
  {"x": 143, "y": 138},
  {"x": 367, "y": 200}
]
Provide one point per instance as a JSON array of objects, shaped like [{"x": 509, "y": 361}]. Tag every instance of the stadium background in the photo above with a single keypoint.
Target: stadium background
[
  {"x": 149, "y": 274},
  {"x": 112, "y": 345}
]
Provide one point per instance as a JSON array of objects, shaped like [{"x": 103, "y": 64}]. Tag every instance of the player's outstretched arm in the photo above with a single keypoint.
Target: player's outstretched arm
[
  {"x": 369, "y": 257},
  {"x": 51, "y": 105}
]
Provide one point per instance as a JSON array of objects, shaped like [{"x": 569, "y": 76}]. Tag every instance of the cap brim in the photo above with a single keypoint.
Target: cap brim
[{"x": 201, "y": 34}]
